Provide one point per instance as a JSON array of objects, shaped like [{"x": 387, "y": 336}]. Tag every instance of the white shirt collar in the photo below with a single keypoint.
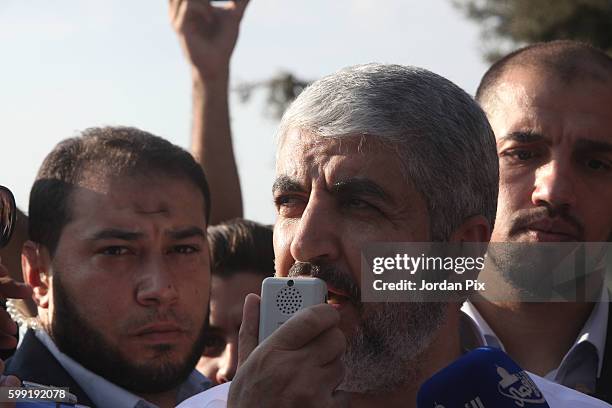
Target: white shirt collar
[
  {"x": 594, "y": 330},
  {"x": 104, "y": 393}
]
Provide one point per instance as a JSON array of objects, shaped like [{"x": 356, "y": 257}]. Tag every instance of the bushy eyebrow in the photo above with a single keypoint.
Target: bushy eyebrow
[
  {"x": 586, "y": 145},
  {"x": 350, "y": 186},
  {"x": 522, "y": 137},
  {"x": 286, "y": 184},
  {"x": 360, "y": 187},
  {"x": 184, "y": 233},
  {"x": 582, "y": 145},
  {"x": 115, "y": 233},
  {"x": 125, "y": 235}
]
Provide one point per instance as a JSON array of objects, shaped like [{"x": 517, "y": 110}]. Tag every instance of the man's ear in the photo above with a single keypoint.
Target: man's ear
[
  {"x": 36, "y": 266},
  {"x": 473, "y": 229}
]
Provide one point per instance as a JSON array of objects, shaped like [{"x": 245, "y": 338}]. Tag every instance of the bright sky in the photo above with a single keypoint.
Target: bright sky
[{"x": 68, "y": 65}]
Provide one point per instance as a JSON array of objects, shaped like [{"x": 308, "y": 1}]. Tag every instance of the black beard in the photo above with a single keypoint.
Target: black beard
[{"x": 75, "y": 337}]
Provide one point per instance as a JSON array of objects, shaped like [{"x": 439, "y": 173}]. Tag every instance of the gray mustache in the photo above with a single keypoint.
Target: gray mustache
[{"x": 331, "y": 275}]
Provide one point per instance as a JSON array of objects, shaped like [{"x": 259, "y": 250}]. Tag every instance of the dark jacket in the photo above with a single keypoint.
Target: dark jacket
[
  {"x": 604, "y": 382},
  {"x": 34, "y": 362}
]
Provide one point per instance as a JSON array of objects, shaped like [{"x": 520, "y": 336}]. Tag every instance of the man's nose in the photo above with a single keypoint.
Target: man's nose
[
  {"x": 228, "y": 363},
  {"x": 316, "y": 236},
  {"x": 554, "y": 186},
  {"x": 157, "y": 285}
]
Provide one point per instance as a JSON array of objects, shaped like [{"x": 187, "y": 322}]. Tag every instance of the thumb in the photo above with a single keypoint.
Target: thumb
[
  {"x": 248, "y": 337},
  {"x": 241, "y": 6},
  {"x": 341, "y": 399}
]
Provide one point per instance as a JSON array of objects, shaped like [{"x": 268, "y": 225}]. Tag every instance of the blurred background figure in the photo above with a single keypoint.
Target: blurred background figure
[
  {"x": 8, "y": 286},
  {"x": 13, "y": 232},
  {"x": 22, "y": 311},
  {"x": 241, "y": 257}
]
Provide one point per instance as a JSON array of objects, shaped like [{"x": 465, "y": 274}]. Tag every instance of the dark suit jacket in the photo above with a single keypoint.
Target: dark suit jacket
[
  {"x": 34, "y": 362},
  {"x": 604, "y": 382}
]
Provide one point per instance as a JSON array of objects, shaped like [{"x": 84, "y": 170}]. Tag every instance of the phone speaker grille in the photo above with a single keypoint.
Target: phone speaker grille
[{"x": 289, "y": 300}]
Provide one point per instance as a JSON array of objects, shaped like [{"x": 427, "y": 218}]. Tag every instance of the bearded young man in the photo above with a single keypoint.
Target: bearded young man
[
  {"x": 550, "y": 105},
  {"x": 119, "y": 265}
]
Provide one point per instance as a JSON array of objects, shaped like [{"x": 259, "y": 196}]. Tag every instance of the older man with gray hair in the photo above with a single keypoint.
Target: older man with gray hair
[{"x": 370, "y": 153}]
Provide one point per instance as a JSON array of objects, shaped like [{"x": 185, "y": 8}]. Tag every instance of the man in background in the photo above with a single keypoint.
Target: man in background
[
  {"x": 550, "y": 106},
  {"x": 241, "y": 258}
]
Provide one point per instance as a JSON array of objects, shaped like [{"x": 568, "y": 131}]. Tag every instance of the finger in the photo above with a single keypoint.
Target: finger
[
  {"x": 248, "y": 336},
  {"x": 304, "y": 326},
  {"x": 328, "y": 347},
  {"x": 10, "y": 381},
  {"x": 341, "y": 399},
  {"x": 237, "y": 7},
  {"x": 338, "y": 370},
  {"x": 7, "y": 342},
  {"x": 201, "y": 12},
  {"x": 10, "y": 288},
  {"x": 333, "y": 374},
  {"x": 174, "y": 6},
  {"x": 240, "y": 6}
]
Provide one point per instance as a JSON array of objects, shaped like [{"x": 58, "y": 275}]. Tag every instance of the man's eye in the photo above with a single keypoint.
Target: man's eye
[
  {"x": 598, "y": 165},
  {"x": 185, "y": 249},
  {"x": 115, "y": 251},
  {"x": 289, "y": 205},
  {"x": 281, "y": 201},
  {"x": 213, "y": 346},
  {"x": 519, "y": 154},
  {"x": 357, "y": 204}
]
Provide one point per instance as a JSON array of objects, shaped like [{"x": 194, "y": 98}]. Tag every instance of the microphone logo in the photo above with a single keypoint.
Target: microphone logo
[{"x": 519, "y": 386}]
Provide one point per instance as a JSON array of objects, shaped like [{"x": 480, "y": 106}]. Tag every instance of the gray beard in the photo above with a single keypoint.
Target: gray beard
[{"x": 386, "y": 351}]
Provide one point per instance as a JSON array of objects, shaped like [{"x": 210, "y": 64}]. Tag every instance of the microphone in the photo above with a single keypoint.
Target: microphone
[{"x": 484, "y": 378}]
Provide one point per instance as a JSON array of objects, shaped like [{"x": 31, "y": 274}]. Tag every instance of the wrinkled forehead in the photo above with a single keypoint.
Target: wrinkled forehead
[
  {"x": 531, "y": 83},
  {"x": 142, "y": 192},
  {"x": 301, "y": 147},
  {"x": 530, "y": 97}
]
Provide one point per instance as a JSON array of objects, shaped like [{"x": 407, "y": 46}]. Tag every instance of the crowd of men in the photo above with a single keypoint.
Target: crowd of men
[{"x": 119, "y": 251}]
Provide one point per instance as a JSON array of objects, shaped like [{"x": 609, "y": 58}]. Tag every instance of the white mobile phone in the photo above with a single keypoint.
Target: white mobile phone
[{"x": 281, "y": 298}]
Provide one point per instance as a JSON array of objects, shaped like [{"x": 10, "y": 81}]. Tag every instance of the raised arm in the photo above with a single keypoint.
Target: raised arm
[{"x": 208, "y": 35}]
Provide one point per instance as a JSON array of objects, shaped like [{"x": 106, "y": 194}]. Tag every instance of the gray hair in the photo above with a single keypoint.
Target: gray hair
[{"x": 442, "y": 136}]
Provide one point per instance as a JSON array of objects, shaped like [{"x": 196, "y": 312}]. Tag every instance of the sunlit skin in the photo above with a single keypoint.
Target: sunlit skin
[
  {"x": 220, "y": 357},
  {"x": 554, "y": 144},
  {"x": 134, "y": 258},
  {"x": 333, "y": 197}
]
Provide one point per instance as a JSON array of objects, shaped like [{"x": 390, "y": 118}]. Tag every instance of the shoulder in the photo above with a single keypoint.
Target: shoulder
[
  {"x": 34, "y": 362},
  {"x": 30, "y": 358},
  {"x": 215, "y": 397},
  {"x": 559, "y": 396}
]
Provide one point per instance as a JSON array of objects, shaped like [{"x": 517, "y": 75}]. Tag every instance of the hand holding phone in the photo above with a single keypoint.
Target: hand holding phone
[{"x": 298, "y": 365}]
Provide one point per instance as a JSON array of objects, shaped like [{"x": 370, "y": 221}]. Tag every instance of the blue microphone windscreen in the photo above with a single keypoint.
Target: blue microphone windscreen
[{"x": 484, "y": 378}]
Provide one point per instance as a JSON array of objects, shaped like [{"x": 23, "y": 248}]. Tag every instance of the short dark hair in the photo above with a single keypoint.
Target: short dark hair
[
  {"x": 116, "y": 151},
  {"x": 240, "y": 245},
  {"x": 567, "y": 60}
]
